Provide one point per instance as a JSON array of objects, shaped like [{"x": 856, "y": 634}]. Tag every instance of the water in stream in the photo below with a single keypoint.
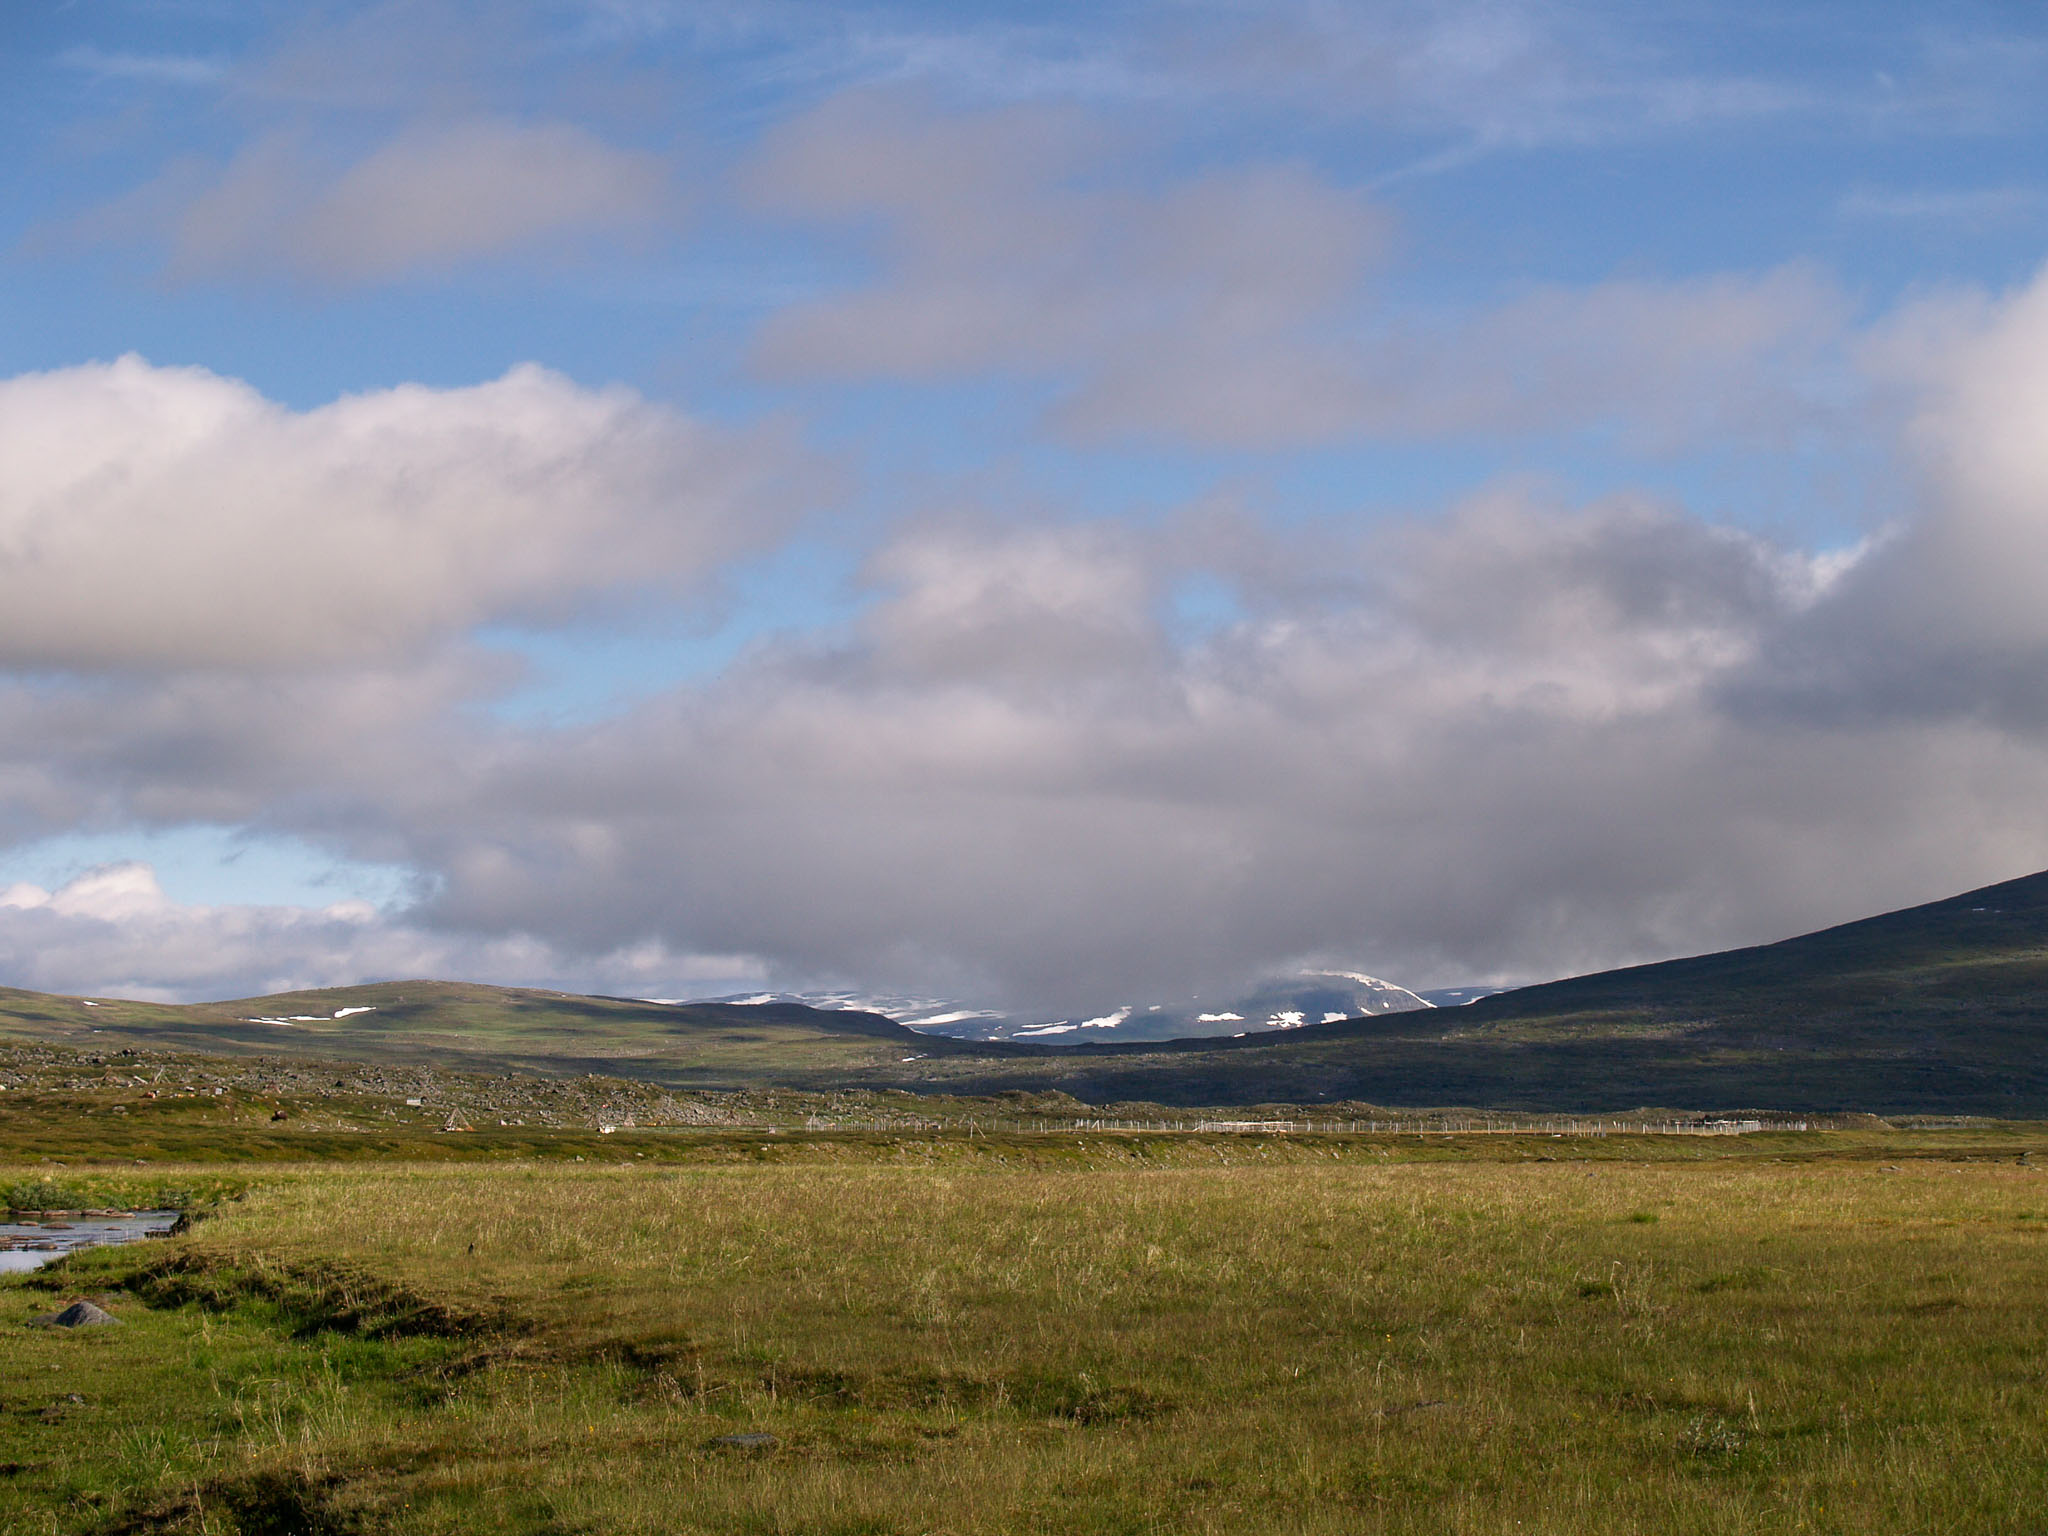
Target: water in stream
[{"x": 34, "y": 1241}]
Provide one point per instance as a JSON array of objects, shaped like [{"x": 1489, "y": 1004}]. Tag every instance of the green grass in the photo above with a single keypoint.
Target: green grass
[{"x": 1840, "y": 1332}]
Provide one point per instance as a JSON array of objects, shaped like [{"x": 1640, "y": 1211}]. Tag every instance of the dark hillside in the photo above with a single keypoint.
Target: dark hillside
[
  {"x": 1972, "y": 960},
  {"x": 1937, "y": 1009}
]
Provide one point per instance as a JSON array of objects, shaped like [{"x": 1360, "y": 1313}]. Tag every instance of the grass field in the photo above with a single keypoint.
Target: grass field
[{"x": 1832, "y": 1332}]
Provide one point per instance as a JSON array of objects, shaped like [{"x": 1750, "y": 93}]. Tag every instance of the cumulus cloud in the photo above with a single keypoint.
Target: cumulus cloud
[
  {"x": 1512, "y": 759},
  {"x": 1504, "y": 751},
  {"x": 168, "y": 517},
  {"x": 1523, "y": 736},
  {"x": 1236, "y": 308},
  {"x": 1944, "y": 619}
]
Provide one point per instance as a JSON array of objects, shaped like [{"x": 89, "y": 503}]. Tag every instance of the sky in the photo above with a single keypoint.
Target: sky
[{"x": 1050, "y": 506}]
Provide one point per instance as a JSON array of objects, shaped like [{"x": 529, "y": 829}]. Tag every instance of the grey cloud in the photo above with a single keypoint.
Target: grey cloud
[
  {"x": 1235, "y": 309},
  {"x": 1515, "y": 740},
  {"x": 1519, "y": 738},
  {"x": 1667, "y": 366},
  {"x": 1426, "y": 792},
  {"x": 1506, "y": 754},
  {"x": 1752, "y": 357},
  {"x": 431, "y": 198},
  {"x": 1053, "y": 607},
  {"x": 998, "y": 256}
]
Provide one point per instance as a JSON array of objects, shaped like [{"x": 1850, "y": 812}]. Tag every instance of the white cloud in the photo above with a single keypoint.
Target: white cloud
[
  {"x": 156, "y": 68},
  {"x": 1945, "y": 618},
  {"x": 112, "y": 932},
  {"x": 166, "y": 517}
]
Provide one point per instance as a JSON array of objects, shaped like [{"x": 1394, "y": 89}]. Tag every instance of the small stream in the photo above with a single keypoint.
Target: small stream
[{"x": 34, "y": 1241}]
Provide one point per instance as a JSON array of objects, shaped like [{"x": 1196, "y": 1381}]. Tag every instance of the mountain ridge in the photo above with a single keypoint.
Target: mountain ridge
[{"x": 1935, "y": 1009}]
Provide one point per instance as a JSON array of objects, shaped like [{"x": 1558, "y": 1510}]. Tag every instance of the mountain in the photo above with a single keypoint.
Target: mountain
[{"x": 1281, "y": 1003}]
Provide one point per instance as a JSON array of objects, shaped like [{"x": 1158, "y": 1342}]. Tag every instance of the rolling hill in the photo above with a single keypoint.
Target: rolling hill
[
  {"x": 1938, "y": 1009},
  {"x": 486, "y": 1028}
]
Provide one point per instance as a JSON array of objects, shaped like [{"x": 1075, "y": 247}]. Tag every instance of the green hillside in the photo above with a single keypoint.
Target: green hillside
[{"x": 488, "y": 1028}]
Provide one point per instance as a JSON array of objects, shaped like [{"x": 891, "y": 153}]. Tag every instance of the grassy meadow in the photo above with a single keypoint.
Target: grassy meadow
[{"x": 1833, "y": 1332}]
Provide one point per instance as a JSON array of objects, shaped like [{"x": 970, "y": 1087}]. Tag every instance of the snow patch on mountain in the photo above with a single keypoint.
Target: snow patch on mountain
[{"x": 1267, "y": 1005}]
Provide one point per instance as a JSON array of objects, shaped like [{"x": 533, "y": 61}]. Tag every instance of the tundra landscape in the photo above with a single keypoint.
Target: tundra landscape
[
  {"x": 984, "y": 768},
  {"x": 778, "y": 1329},
  {"x": 405, "y": 1295}
]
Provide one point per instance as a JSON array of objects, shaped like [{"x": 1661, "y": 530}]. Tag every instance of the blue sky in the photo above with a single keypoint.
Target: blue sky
[{"x": 1036, "y": 503}]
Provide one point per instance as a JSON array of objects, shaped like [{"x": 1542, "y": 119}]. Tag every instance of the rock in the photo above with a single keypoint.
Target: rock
[
  {"x": 80, "y": 1314},
  {"x": 758, "y": 1440}
]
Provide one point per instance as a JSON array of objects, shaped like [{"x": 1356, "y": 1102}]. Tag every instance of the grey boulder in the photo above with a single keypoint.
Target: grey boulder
[{"x": 80, "y": 1314}]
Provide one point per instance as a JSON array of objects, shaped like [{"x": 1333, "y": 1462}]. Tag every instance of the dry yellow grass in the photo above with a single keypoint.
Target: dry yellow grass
[{"x": 1333, "y": 1343}]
